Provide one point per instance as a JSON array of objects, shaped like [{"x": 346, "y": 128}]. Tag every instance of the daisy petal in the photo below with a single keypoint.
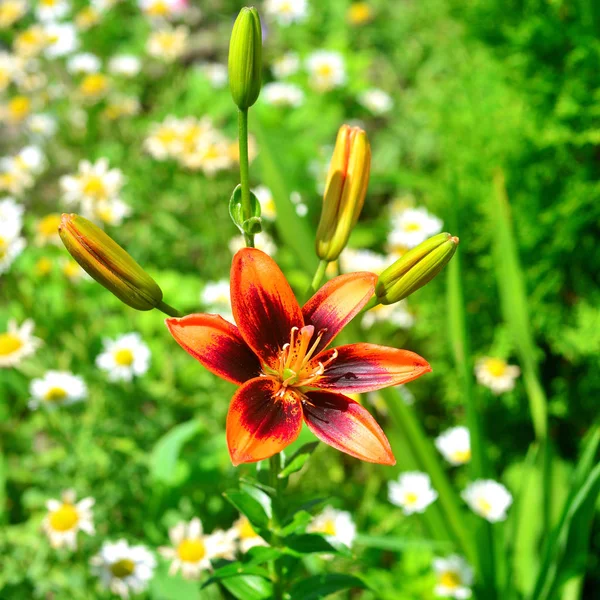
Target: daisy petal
[
  {"x": 259, "y": 424},
  {"x": 337, "y": 303},
  {"x": 368, "y": 367},
  {"x": 217, "y": 344},
  {"x": 263, "y": 304},
  {"x": 347, "y": 426}
]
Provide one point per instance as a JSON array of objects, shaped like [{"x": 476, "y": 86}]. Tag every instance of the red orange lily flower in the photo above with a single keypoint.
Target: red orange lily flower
[{"x": 278, "y": 356}]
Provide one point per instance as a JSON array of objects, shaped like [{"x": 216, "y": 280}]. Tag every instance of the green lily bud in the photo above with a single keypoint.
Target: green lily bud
[
  {"x": 109, "y": 264},
  {"x": 416, "y": 268},
  {"x": 245, "y": 58}
]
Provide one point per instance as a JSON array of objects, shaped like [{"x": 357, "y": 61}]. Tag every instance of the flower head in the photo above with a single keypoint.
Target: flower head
[
  {"x": 17, "y": 343},
  {"x": 455, "y": 445},
  {"x": 278, "y": 354},
  {"x": 243, "y": 532},
  {"x": 326, "y": 69},
  {"x": 66, "y": 518},
  {"x": 168, "y": 43},
  {"x": 286, "y": 12},
  {"x": 279, "y": 93},
  {"x": 123, "y": 568},
  {"x": 454, "y": 577},
  {"x": 56, "y": 388},
  {"x": 124, "y": 358},
  {"x": 337, "y": 525},
  {"x": 496, "y": 374},
  {"x": 376, "y": 101},
  {"x": 410, "y": 227},
  {"x": 412, "y": 491},
  {"x": 488, "y": 498}
]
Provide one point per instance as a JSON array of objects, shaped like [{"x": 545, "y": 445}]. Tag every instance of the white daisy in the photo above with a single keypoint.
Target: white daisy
[
  {"x": 11, "y": 215},
  {"x": 10, "y": 65},
  {"x": 264, "y": 195},
  {"x": 17, "y": 343},
  {"x": 209, "y": 153},
  {"x": 286, "y": 65},
  {"x": 42, "y": 125},
  {"x": 352, "y": 260},
  {"x": 66, "y": 518},
  {"x": 244, "y": 534},
  {"x": 31, "y": 159},
  {"x": 168, "y": 43},
  {"x": 496, "y": 374},
  {"x": 376, "y": 101},
  {"x": 92, "y": 183},
  {"x": 192, "y": 551},
  {"x": 124, "y": 358},
  {"x": 412, "y": 492},
  {"x": 123, "y": 568},
  {"x": 56, "y": 388},
  {"x": 286, "y": 12},
  {"x": 52, "y": 10},
  {"x": 216, "y": 73},
  {"x": 216, "y": 296},
  {"x": 412, "y": 226},
  {"x": 11, "y": 11},
  {"x": 454, "y": 577},
  {"x": 334, "y": 524},
  {"x": 125, "y": 65},
  {"x": 326, "y": 69},
  {"x": 46, "y": 230},
  {"x": 455, "y": 445},
  {"x": 488, "y": 498},
  {"x": 163, "y": 9},
  {"x": 279, "y": 93},
  {"x": 61, "y": 39},
  {"x": 14, "y": 179},
  {"x": 396, "y": 314},
  {"x": 10, "y": 248},
  {"x": 111, "y": 211},
  {"x": 83, "y": 63}
]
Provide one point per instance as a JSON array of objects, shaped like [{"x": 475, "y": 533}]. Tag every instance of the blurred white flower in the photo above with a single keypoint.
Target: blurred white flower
[
  {"x": 111, "y": 211},
  {"x": 123, "y": 568},
  {"x": 30, "y": 42},
  {"x": 14, "y": 179},
  {"x": 17, "y": 343},
  {"x": 412, "y": 226},
  {"x": 496, "y": 374},
  {"x": 15, "y": 110},
  {"x": 326, "y": 69},
  {"x": 165, "y": 139},
  {"x": 454, "y": 577},
  {"x": 61, "y": 39},
  {"x": 52, "y": 10},
  {"x": 412, "y": 492},
  {"x": 216, "y": 297},
  {"x": 46, "y": 230},
  {"x": 12, "y": 11},
  {"x": 376, "y": 101},
  {"x": 56, "y": 388},
  {"x": 124, "y": 358},
  {"x": 267, "y": 203},
  {"x": 42, "y": 125},
  {"x": 336, "y": 525},
  {"x": 31, "y": 159},
  {"x": 10, "y": 65},
  {"x": 279, "y": 93},
  {"x": 208, "y": 152},
  {"x": 396, "y": 314},
  {"x": 286, "y": 12},
  {"x": 454, "y": 445},
  {"x": 353, "y": 260},
  {"x": 192, "y": 551},
  {"x": 66, "y": 518},
  {"x": 263, "y": 241},
  {"x": 125, "y": 65},
  {"x": 11, "y": 215},
  {"x": 163, "y": 9},
  {"x": 244, "y": 534},
  {"x": 84, "y": 62},
  {"x": 168, "y": 43},
  {"x": 216, "y": 73},
  {"x": 286, "y": 65},
  {"x": 488, "y": 498},
  {"x": 10, "y": 248}
]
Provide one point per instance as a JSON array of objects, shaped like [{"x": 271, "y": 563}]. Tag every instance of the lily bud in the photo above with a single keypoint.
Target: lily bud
[
  {"x": 245, "y": 58},
  {"x": 345, "y": 191},
  {"x": 416, "y": 268},
  {"x": 109, "y": 264}
]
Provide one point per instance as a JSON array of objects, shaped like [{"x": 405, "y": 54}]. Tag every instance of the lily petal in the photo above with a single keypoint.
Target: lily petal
[
  {"x": 217, "y": 344},
  {"x": 259, "y": 423},
  {"x": 338, "y": 302},
  {"x": 347, "y": 426},
  {"x": 263, "y": 304},
  {"x": 368, "y": 367}
]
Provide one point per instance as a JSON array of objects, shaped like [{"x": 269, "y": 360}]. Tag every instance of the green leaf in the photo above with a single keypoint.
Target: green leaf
[
  {"x": 249, "y": 587},
  {"x": 165, "y": 454},
  {"x": 298, "y": 459},
  {"x": 298, "y": 522},
  {"x": 253, "y": 223},
  {"x": 321, "y": 586},
  {"x": 253, "y": 503},
  {"x": 311, "y": 543}
]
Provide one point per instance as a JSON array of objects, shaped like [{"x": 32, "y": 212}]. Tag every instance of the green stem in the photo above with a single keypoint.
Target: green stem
[
  {"x": 372, "y": 303},
  {"x": 318, "y": 278},
  {"x": 168, "y": 310},
  {"x": 244, "y": 172},
  {"x": 276, "y": 572}
]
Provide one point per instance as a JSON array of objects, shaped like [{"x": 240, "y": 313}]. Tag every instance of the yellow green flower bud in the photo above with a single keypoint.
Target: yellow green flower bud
[
  {"x": 345, "y": 191},
  {"x": 245, "y": 58},
  {"x": 108, "y": 263},
  {"x": 415, "y": 268}
]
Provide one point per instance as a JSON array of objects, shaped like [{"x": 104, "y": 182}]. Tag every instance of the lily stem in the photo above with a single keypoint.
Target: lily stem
[
  {"x": 276, "y": 571},
  {"x": 244, "y": 172},
  {"x": 318, "y": 278},
  {"x": 168, "y": 310}
]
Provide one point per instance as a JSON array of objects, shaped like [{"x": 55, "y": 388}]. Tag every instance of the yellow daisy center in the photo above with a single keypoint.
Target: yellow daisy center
[
  {"x": 19, "y": 107},
  {"x": 191, "y": 551},
  {"x": 462, "y": 456},
  {"x": 495, "y": 367},
  {"x": 94, "y": 84},
  {"x": 483, "y": 505},
  {"x": 48, "y": 2},
  {"x": 158, "y": 9},
  {"x": 245, "y": 530},
  {"x": 55, "y": 394},
  {"x": 285, "y": 8},
  {"x": 43, "y": 266},
  {"x": 3, "y": 247},
  {"x": 328, "y": 528},
  {"x": 410, "y": 498},
  {"x": 449, "y": 579},
  {"x": 9, "y": 344},
  {"x": 87, "y": 17},
  {"x": 412, "y": 227},
  {"x": 64, "y": 518},
  {"x": 124, "y": 357},
  {"x": 93, "y": 185},
  {"x": 122, "y": 568},
  {"x": 167, "y": 135},
  {"x": 359, "y": 13},
  {"x": 48, "y": 226},
  {"x": 325, "y": 70}
]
